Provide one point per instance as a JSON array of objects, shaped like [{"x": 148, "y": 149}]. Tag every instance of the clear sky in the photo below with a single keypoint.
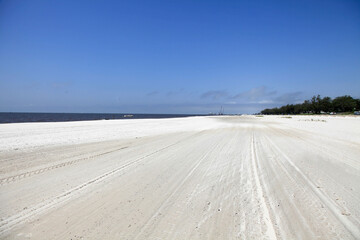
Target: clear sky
[{"x": 175, "y": 56}]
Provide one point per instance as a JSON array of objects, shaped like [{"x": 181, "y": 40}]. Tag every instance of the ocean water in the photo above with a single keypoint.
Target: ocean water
[{"x": 64, "y": 117}]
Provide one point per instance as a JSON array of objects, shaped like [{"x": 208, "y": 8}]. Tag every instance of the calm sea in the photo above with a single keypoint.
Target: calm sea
[{"x": 64, "y": 117}]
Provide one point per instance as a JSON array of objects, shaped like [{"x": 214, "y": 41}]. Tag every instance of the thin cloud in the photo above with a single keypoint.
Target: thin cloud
[
  {"x": 61, "y": 84},
  {"x": 153, "y": 93},
  {"x": 215, "y": 95},
  {"x": 176, "y": 92},
  {"x": 265, "y": 101},
  {"x": 231, "y": 102},
  {"x": 289, "y": 98},
  {"x": 32, "y": 85},
  {"x": 255, "y": 94}
]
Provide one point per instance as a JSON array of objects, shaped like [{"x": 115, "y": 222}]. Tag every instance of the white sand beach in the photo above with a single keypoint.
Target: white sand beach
[{"x": 226, "y": 177}]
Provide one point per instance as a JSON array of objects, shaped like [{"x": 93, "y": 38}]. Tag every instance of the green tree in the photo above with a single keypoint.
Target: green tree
[
  {"x": 357, "y": 104},
  {"x": 315, "y": 104},
  {"x": 326, "y": 104},
  {"x": 344, "y": 104}
]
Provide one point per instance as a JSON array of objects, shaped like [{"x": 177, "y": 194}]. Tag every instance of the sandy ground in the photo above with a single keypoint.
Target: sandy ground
[{"x": 189, "y": 178}]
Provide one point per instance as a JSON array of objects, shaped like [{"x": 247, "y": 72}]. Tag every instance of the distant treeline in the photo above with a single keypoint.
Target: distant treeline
[{"x": 318, "y": 105}]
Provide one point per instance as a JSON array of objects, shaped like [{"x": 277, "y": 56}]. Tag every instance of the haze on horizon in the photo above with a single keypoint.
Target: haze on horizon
[{"x": 175, "y": 56}]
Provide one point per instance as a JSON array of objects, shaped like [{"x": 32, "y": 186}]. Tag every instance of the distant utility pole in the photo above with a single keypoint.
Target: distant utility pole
[{"x": 221, "y": 111}]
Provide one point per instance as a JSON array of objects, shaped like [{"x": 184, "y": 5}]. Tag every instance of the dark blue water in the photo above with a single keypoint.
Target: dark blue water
[{"x": 64, "y": 117}]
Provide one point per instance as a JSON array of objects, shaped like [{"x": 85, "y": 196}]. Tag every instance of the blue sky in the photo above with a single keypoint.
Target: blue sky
[{"x": 175, "y": 56}]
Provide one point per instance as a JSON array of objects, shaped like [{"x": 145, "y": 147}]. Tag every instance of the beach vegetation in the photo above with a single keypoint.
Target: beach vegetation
[{"x": 318, "y": 105}]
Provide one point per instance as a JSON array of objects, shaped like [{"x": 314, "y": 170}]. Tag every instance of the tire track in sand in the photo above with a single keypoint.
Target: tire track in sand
[
  {"x": 349, "y": 225},
  {"x": 270, "y": 231},
  {"x": 29, "y": 213},
  {"x": 23, "y": 175},
  {"x": 163, "y": 204}
]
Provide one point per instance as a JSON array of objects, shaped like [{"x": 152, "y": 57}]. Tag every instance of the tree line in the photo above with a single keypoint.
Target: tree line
[{"x": 318, "y": 105}]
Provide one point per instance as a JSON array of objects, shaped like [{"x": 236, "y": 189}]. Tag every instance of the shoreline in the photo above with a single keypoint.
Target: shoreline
[{"x": 23, "y": 117}]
